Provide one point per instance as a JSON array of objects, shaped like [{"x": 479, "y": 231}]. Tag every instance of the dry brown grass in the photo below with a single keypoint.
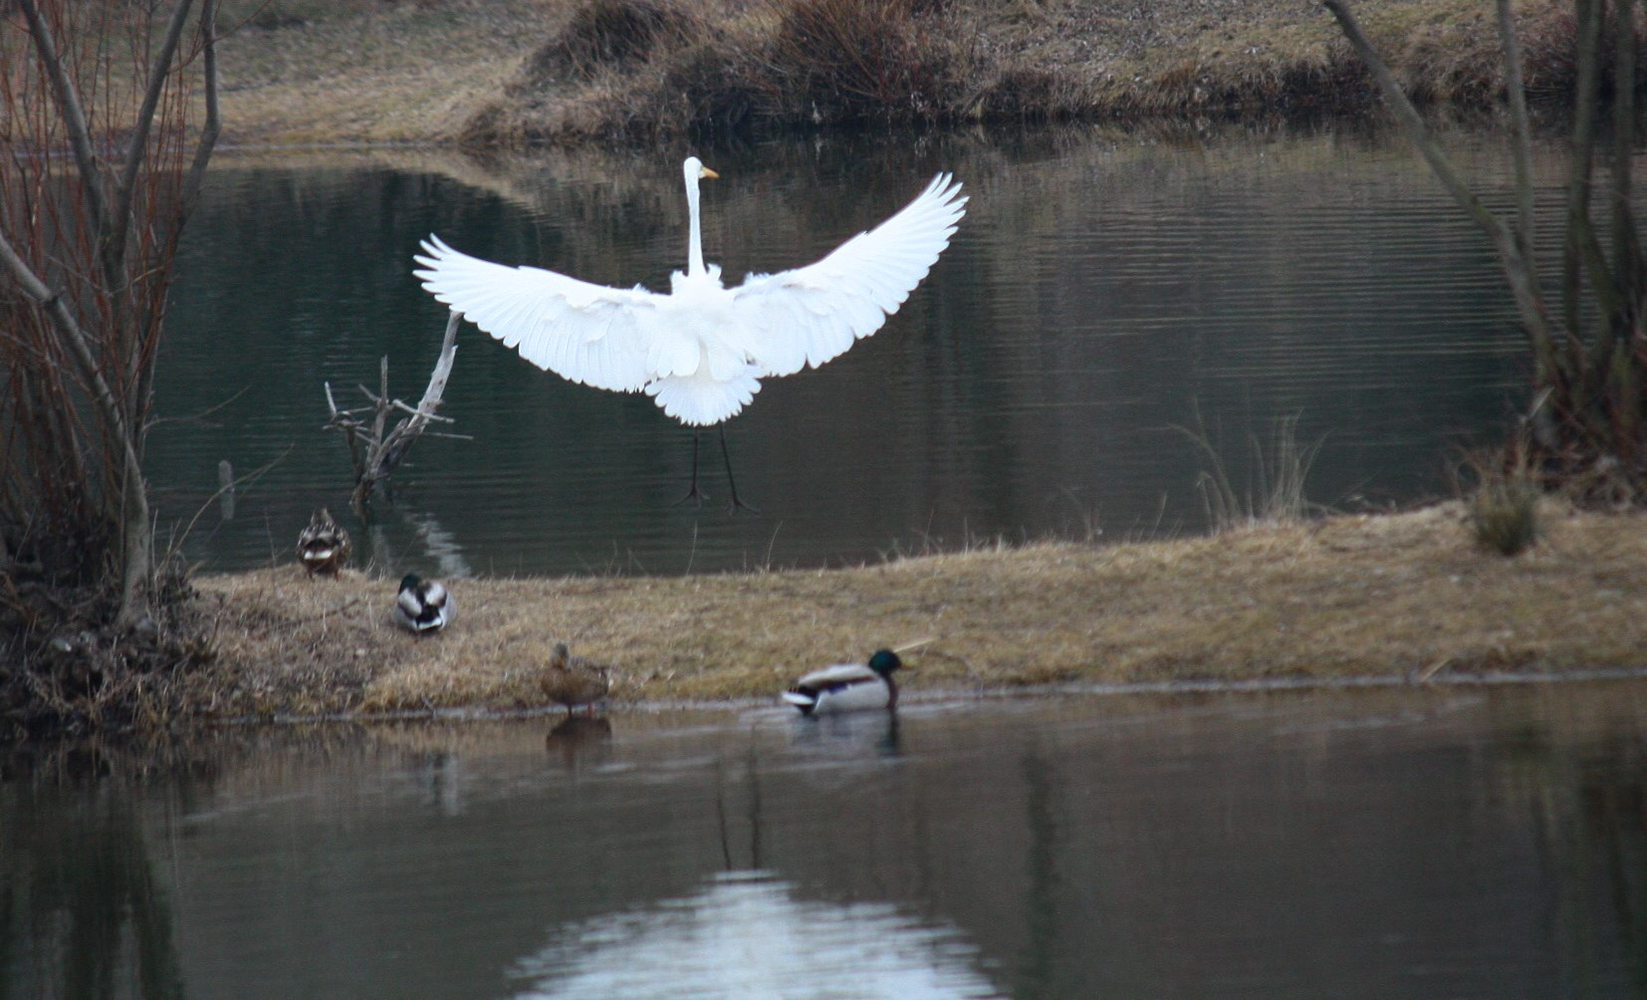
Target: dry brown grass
[
  {"x": 519, "y": 71},
  {"x": 1348, "y": 596}
]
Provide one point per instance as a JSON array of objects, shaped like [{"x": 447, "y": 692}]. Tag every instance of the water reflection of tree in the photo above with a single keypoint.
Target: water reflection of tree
[
  {"x": 1588, "y": 806},
  {"x": 81, "y": 911}
]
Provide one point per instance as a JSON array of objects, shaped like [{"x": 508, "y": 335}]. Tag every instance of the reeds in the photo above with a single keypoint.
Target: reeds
[{"x": 1273, "y": 490}]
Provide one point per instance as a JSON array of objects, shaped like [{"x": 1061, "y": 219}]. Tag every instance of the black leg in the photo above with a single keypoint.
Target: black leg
[
  {"x": 693, "y": 493},
  {"x": 727, "y": 458}
]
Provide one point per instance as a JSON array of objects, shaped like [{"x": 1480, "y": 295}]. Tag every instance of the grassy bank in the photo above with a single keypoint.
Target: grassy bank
[
  {"x": 517, "y": 71},
  {"x": 1394, "y": 595}
]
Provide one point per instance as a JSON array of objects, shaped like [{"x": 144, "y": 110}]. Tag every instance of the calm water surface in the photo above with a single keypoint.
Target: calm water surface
[
  {"x": 1438, "y": 843},
  {"x": 1101, "y": 293}
]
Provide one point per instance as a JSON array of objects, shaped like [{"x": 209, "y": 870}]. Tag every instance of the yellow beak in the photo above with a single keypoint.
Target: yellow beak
[{"x": 709, "y": 174}]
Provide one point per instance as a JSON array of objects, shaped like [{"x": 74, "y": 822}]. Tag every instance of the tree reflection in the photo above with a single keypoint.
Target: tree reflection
[{"x": 81, "y": 911}]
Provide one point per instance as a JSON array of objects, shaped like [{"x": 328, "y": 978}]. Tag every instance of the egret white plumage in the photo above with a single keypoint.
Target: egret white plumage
[{"x": 701, "y": 350}]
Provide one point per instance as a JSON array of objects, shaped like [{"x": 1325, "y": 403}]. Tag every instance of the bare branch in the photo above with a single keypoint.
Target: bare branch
[
  {"x": 74, "y": 113},
  {"x": 1521, "y": 141},
  {"x": 376, "y": 453},
  {"x": 79, "y": 347},
  {"x": 1626, "y": 241},
  {"x": 137, "y": 147},
  {"x": 407, "y": 408},
  {"x": 1523, "y": 282},
  {"x": 213, "y": 126}
]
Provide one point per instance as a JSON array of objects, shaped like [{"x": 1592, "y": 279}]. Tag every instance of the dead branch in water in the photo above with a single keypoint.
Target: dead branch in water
[{"x": 375, "y": 453}]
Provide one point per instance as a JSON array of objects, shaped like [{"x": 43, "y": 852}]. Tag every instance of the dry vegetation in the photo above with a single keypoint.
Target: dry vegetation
[
  {"x": 1408, "y": 594},
  {"x": 518, "y": 71}
]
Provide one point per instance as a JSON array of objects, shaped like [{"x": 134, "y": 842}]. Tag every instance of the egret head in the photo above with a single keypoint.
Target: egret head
[
  {"x": 884, "y": 662},
  {"x": 695, "y": 170}
]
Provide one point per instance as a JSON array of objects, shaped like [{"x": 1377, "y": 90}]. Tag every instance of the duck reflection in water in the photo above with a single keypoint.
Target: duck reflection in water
[
  {"x": 848, "y": 734},
  {"x": 580, "y": 739}
]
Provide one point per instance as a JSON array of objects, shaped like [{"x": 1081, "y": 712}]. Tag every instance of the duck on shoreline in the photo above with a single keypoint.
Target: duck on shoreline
[
  {"x": 423, "y": 605},
  {"x": 323, "y": 547},
  {"x": 573, "y": 680}
]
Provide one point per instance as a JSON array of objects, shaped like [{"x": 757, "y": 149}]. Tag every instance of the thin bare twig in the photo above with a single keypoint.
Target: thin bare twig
[
  {"x": 376, "y": 451},
  {"x": 73, "y": 111},
  {"x": 1517, "y": 270}
]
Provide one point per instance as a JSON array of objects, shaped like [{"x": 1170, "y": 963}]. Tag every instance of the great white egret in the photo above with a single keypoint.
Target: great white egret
[{"x": 701, "y": 350}]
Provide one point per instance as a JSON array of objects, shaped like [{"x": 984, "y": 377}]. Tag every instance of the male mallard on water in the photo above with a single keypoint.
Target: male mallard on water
[
  {"x": 848, "y": 687},
  {"x": 323, "y": 547},
  {"x": 573, "y": 680},
  {"x": 423, "y": 605}
]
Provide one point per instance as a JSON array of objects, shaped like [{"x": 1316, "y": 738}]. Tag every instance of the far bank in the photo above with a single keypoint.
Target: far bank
[{"x": 572, "y": 71}]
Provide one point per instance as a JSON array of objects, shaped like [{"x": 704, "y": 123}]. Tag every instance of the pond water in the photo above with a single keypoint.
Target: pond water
[
  {"x": 1103, "y": 293},
  {"x": 1403, "y": 843}
]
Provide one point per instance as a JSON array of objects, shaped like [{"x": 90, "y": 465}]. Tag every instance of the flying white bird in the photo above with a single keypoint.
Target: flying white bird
[{"x": 701, "y": 350}]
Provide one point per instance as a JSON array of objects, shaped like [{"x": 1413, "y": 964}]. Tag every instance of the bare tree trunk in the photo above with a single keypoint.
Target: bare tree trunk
[
  {"x": 1590, "y": 384},
  {"x": 128, "y": 217},
  {"x": 377, "y": 453}
]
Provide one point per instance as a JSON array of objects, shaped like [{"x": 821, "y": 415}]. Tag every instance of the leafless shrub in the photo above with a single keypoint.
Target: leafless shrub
[
  {"x": 608, "y": 33},
  {"x": 1585, "y": 318},
  {"x": 102, "y": 163}
]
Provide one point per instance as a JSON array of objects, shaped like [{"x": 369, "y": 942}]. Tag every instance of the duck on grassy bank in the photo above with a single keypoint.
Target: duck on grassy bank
[
  {"x": 423, "y": 606},
  {"x": 323, "y": 547},
  {"x": 573, "y": 680}
]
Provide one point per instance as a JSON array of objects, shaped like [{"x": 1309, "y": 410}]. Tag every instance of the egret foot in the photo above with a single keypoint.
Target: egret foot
[
  {"x": 694, "y": 494},
  {"x": 736, "y": 504}
]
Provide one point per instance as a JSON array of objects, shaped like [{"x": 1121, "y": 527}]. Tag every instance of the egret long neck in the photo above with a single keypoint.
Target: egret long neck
[{"x": 694, "y": 259}]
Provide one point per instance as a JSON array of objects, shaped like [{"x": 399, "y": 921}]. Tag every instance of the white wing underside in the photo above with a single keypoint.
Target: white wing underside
[{"x": 701, "y": 350}]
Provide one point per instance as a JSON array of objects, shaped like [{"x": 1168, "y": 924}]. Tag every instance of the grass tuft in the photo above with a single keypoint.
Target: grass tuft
[
  {"x": 606, "y": 34},
  {"x": 1504, "y": 503},
  {"x": 1274, "y": 490}
]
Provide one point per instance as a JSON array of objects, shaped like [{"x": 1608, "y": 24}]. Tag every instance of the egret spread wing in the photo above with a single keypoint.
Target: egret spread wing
[
  {"x": 808, "y": 315},
  {"x": 610, "y": 338}
]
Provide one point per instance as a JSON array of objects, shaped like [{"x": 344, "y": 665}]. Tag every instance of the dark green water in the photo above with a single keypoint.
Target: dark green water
[
  {"x": 1101, "y": 293},
  {"x": 1437, "y": 843}
]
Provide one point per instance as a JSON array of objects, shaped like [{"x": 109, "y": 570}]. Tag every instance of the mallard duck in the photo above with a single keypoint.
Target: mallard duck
[
  {"x": 323, "y": 547},
  {"x": 423, "y": 605},
  {"x": 573, "y": 680},
  {"x": 847, "y": 687}
]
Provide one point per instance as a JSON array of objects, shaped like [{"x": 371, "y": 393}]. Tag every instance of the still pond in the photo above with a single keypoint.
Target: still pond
[
  {"x": 1461, "y": 842},
  {"x": 1105, "y": 295}
]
